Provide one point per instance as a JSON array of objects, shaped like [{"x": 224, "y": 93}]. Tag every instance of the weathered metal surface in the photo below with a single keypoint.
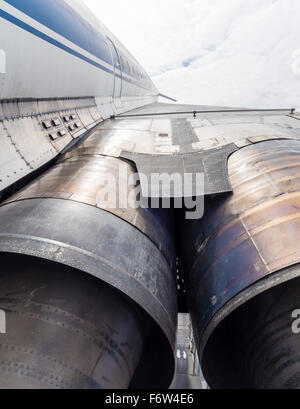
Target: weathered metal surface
[
  {"x": 13, "y": 165},
  {"x": 244, "y": 237},
  {"x": 65, "y": 330},
  {"x": 270, "y": 348},
  {"x": 256, "y": 346},
  {"x": 212, "y": 129},
  {"x": 87, "y": 179},
  {"x": 103, "y": 245},
  {"x": 71, "y": 216},
  {"x": 95, "y": 114},
  {"x": 28, "y": 107},
  {"x": 183, "y": 135},
  {"x": 212, "y": 164},
  {"x": 231, "y": 255},
  {"x": 111, "y": 137},
  {"x": 14, "y": 109},
  {"x": 10, "y": 109},
  {"x": 38, "y": 133},
  {"x": 28, "y": 137}
]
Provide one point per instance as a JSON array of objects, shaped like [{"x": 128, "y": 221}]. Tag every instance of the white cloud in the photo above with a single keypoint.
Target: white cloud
[{"x": 236, "y": 52}]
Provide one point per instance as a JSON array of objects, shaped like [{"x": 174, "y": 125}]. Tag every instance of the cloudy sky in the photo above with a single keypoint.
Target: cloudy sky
[{"x": 217, "y": 52}]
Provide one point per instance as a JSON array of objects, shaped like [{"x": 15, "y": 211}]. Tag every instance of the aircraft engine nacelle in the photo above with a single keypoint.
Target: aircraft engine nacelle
[
  {"x": 88, "y": 288},
  {"x": 243, "y": 271}
]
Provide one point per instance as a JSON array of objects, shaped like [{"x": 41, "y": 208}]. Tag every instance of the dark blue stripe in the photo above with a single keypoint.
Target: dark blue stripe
[
  {"x": 46, "y": 16},
  {"x": 50, "y": 40},
  {"x": 65, "y": 21}
]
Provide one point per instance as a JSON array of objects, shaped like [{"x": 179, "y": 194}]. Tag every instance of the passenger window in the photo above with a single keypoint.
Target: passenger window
[{"x": 122, "y": 63}]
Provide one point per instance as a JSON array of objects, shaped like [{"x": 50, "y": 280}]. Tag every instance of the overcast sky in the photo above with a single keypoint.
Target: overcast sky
[{"x": 217, "y": 52}]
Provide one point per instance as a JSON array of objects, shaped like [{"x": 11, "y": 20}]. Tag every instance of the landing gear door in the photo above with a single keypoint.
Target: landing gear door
[{"x": 117, "y": 91}]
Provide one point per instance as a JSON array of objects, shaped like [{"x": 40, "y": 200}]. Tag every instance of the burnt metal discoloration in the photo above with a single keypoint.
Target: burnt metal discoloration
[
  {"x": 62, "y": 217},
  {"x": 112, "y": 250},
  {"x": 66, "y": 330},
  {"x": 85, "y": 179},
  {"x": 246, "y": 236},
  {"x": 33, "y": 133}
]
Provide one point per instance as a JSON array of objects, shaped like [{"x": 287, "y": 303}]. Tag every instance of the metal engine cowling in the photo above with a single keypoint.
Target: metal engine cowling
[
  {"x": 89, "y": 291},
  {"x": 242, "y": 266}
]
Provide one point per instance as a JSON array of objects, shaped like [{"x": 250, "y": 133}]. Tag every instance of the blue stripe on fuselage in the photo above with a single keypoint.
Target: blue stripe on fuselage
[
  {"x": 65, "y": 21},
  {"x": 49, "y": 13},
  {"x": 50, "y": 40}
]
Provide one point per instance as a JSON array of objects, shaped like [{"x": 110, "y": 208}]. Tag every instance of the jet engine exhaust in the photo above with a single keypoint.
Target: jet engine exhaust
[
  {"x": 257, "y": 342},
  {"x": 99, "y": 281},
  {"x": 65, "y": 329},
  {"x": 242, "y": 272}
]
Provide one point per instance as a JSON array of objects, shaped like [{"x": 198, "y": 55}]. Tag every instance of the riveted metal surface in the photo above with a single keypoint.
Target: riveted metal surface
[
  {"x": 52, "y": 133},
  {"x": 29, "y": 139},
  {"x": 85, "y": 117},
  {"x": 33, "y": 128},
  {"x": 13, "y": 166},
  {"x": 101, "y": 244},
  {"x": 254, "y": 344},
  {"x": 212, "y": 164},
  {"x": 244, "y": 237},
  {"x": 60, "y": 142}
]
